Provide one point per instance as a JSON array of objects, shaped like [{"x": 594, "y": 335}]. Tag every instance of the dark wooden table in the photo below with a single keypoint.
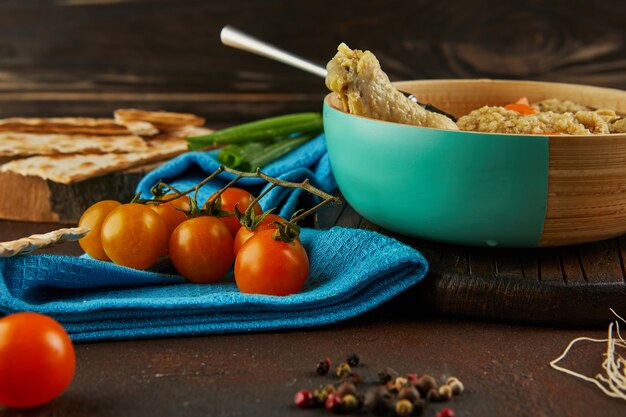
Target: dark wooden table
[
  {"x": 89, "y": 57},
  {"x": 504, "y": 367}
]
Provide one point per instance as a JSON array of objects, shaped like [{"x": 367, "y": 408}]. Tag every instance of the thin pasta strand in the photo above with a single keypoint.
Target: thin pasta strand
[{"x": 614, "y": 383}]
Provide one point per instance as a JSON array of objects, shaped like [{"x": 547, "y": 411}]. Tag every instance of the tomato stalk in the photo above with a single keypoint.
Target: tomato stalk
[
  {"x": 248, "y": 218},
  {"x": 286, "y": 232},
  {"x": 275, "y": 182},
  {"x": 161, "y": 189}
]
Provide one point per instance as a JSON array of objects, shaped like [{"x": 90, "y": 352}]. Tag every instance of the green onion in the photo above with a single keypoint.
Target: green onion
[
  {"x": 255, "y": 155},
  {"x": 260, "y": 130},
  {"x": 234, "y": 156}
]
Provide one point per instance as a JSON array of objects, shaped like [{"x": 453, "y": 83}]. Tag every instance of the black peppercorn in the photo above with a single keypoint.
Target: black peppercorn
[
  {"x": 409, "y": 393},
  {"x": 323, "y": 367},
  {"x": 353, "y": 377},
  {"x": 386, "y": 375},
  {"x": 353, "y": 359},
  {"x": 425, "y": 383},
  {"x": 433, "y": 395},
  {"x": 419, "y": 406},
  {"x": 346, "y": 388},
  {"x": 378, "y": 400}
]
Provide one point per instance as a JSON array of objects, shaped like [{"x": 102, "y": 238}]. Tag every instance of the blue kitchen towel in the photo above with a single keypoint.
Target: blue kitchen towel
[
  {"x": 307, "y": 161},
  {"x": 351, "y": 271}
]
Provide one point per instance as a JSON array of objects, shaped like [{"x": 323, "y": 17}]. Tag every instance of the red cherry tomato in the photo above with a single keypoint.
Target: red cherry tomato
[
  {"x": 93, "y": 218},
  {"x": 272, "y": 267},
  {"x": 230, "y": 198},
  {"x": 37, "y": 360},
  {"x": 243, "y": 234},
  {"x": 171, "y": 212},
  {"x": 201, "y": 249},
  {"x": 134, "y": 236}
]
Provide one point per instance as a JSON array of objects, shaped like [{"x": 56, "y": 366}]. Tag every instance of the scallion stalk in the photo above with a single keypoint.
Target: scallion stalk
[
  {"x": 255, "y": 155},
  {"x": 260, "y": 130}
]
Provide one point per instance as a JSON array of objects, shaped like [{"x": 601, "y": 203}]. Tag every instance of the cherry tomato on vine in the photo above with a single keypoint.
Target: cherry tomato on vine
[
  {"x": 201, "y": 249},
  {"x": 171, "y": 212},
  {"x": 93, "y": 218},
  {"x": 230, "y": 198},
  {"x": 134, "y": 236},
  {"x": 268, "y": 266},
  {"x": 243, "y": 234},
  {"x": 37, "y": 360}
]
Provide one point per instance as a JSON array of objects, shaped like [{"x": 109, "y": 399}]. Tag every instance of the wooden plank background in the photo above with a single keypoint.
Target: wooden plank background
[{"x": 64, "y": 57}]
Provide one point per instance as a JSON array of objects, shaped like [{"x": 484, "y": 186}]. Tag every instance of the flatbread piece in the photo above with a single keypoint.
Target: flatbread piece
[
  {"x": 65, "y": 169},
  {"x": 66, "y": 125},
  {"x": 24, "y": 144},
  {"x": 163, "y": 120}
]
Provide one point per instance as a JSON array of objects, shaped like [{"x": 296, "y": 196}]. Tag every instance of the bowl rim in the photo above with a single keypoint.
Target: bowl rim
[{"x": 331, "y": 96}]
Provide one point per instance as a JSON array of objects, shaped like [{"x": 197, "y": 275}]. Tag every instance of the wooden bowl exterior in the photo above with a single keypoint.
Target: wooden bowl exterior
[
  {"x": 586, "y": 197},
  {"x": 586, "y": 189}
]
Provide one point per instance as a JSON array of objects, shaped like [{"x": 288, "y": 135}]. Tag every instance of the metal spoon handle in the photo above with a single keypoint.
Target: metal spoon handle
[{"x": 236, "y": 39}]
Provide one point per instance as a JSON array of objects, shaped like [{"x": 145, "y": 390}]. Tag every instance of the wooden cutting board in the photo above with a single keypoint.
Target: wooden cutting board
[
  {"x": 34, "y": 199},
  {"x": 570, "y": 285}
]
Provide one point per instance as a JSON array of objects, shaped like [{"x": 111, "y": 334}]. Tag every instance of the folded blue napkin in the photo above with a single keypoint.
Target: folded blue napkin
[
  {"x": 308, "y": 161},
  {"x": 351, "y": 272}
]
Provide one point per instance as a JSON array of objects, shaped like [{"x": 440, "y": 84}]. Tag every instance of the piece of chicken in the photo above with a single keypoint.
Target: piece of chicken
[{"x": 365, "y": 90}]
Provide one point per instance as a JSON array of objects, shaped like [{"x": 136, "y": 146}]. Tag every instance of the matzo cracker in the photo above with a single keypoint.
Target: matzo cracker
[
  {"x": 65, "y": 125},
  {"x": 24, "y": 144},
  {"x": 65, "y": 169},
  {"x": 161, "y": 119}
]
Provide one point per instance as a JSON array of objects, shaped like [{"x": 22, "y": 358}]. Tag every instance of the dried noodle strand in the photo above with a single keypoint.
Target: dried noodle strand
[
  {"x": 615, "y": 368},
  {"x": 611, "y": 368},
  {"x": 623, "y": 344},
  {"x": 617, "y": 315},
  {"x": 594, "y": 381}
]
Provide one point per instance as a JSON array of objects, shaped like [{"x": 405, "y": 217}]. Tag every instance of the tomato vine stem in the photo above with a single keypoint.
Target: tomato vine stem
[{"x": 157, "y": 190}]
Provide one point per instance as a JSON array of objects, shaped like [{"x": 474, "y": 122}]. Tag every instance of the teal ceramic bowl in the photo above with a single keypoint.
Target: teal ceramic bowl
[{"x": 482, "y": 189}]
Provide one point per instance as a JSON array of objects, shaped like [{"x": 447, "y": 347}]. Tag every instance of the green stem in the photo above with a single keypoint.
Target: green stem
[
  {"x": 256, "y": 155},
  {"x": 260, "y": 130},
  {"x": 237, "y": 156}
]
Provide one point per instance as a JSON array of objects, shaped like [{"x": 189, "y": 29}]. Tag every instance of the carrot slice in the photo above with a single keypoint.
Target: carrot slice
[{"x": 521, "y": 108}]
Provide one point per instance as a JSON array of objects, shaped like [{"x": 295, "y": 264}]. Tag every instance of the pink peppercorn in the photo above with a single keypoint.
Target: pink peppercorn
[
  {"x": 445, "y": 412},
  {"x": 303, "y": 398},
  {"x": 412, "y": 378},
  {"x": 333, "y": 401}
]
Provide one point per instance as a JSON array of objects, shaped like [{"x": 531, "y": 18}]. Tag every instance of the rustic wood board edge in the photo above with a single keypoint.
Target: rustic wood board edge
[
  {"x": 27, "y": 198},
  {"x": 509, "y": 300}
]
